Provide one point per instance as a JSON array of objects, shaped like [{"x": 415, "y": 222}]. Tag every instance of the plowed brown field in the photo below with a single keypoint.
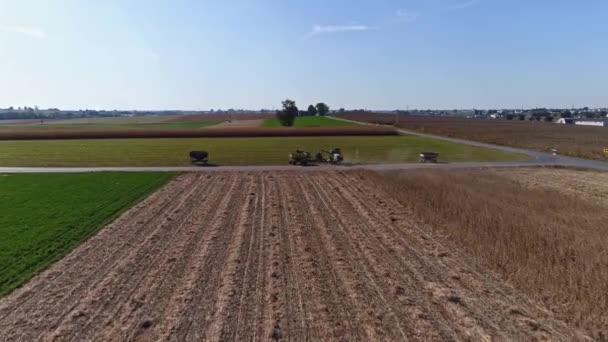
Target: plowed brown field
[{"x": 276, "y": 255}]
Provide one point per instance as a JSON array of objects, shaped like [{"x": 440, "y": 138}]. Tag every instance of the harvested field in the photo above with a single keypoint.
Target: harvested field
[
  {"x": 548, "y": 242},
  {"x": 260, "y": 256},
  {"x": 253, "y": 123},
  {"x": 196, "y": 133},
  {"x": 571, "y": 140},
  {"x": 103, "y": 127},
  {"x": 221, "y": 117}
]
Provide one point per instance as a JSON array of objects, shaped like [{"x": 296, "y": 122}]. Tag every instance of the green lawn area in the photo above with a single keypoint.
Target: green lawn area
[
  {"x": 233, "y": 151},
  {"x": 45, "y": 215},
  {"x": 309, "y": 121}
]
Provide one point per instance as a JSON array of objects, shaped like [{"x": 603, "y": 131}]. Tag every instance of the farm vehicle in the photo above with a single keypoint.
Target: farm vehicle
[
  {"x": 333, "y": 156},
  {"x": 199, "y": 157}
]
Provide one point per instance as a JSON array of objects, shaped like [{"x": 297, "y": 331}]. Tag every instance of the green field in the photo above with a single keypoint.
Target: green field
[
  {"x": 45, "y": 215},
  {"x": 233, "y": 151},
  {"x": 309, "y": 121}
]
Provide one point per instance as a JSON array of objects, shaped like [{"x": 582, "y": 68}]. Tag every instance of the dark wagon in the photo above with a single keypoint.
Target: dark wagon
[
  {"x": 429, "y": 157},
  {"x": 199, "y": 157}
]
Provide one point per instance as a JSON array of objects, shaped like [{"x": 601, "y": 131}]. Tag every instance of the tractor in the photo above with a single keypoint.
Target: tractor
[
  {"x": 300, "y": 157},
  {"x": 334, "y": 156}
]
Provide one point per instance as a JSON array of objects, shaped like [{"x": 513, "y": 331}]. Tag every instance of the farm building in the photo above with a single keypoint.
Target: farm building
[{"x": 584, "y": 122}]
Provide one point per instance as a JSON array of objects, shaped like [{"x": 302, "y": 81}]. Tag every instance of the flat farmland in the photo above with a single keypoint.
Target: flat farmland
[
  {"x": 544, "y": 230},
  {"x": 232, "y": 151},
  {"x": 571, "y": 140},
  {"x": 590, "y": 186},
  {"x": 45, "y": 215},
  {"x": 61, "y": 125},
  {"x": 271, "y": 256},
  {"x": 309, "y": 121}
]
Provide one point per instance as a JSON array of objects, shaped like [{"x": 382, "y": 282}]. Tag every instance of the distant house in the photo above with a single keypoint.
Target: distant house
[
  {"x": 592, "y": 122},
  {"x": 566, "y": 121}
]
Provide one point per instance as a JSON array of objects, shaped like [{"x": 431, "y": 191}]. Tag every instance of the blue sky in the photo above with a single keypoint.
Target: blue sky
[{"x": 381, "y": 54}]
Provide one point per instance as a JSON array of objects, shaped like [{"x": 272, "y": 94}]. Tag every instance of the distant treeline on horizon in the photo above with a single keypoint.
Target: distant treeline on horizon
[{"x": 33, "y": 113}]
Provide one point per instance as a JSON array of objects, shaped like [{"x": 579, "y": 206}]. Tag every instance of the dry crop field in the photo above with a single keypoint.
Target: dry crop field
[
  {"x": 577, "y": 141},
  {"x": 271, "y": 255},
  {"x": 544, "y": 230},
  {"x": 221, "y": 117}
]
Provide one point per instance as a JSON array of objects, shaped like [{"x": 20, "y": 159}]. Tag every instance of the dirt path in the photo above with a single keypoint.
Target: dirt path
[{"x": 269, "y": 255}]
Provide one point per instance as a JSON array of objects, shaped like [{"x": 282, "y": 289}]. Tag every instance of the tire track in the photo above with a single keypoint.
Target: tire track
[
  {"x": 147, "y": 302},
  {"x": 394, "y": 320},
  {"x": 325, "y": 317}
]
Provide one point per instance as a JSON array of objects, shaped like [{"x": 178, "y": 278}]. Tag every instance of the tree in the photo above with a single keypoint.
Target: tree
[
  {"x": 342, "y": 110},
  {"x": 509, "y": 117},
  {"x": 566, "y": 114},
  {"x": 322, "y": 109},
  {"x": 548, "y": 118},
  {"x": 521, "y": 117},
  {"x": 312, "y": 110},
  {"x": 288, "y": 115}
]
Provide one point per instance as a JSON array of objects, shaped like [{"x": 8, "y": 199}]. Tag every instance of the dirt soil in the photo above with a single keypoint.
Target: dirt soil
[
  {"x": 270, "y": 255},
  {"x": 590, "y": 185}
]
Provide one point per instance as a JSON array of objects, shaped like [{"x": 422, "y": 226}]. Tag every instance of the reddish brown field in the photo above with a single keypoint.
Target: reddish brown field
[
  {"x": 577, "y": 141},
  {"x": 226, "y": 132},
  {"x": 542, "y": 229},
  {"x": 271, "y": 256}
]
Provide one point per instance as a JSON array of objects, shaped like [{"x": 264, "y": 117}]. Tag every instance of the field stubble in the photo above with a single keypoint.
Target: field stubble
[{"x": 258, "y": 256}]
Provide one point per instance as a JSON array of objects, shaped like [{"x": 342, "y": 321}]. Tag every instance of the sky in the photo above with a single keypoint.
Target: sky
[{"x": 373, "y": 54}]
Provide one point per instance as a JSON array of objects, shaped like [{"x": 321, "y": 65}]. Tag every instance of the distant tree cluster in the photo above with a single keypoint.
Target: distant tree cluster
[
  {"x": 290, "y": 112},
  {"x": 287, "y": 116}
]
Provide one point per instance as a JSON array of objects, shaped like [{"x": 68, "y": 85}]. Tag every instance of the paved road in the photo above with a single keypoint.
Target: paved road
[
  {"x": 378, "y": 167},
  {"x": 541, "y": 158},
  {"x": 536, "y": 159}
]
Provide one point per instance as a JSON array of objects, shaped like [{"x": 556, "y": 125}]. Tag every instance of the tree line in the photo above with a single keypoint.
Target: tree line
[{"x": 287, "y": 116}]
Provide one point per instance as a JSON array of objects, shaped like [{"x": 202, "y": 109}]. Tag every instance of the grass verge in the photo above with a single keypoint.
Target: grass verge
[
  {"x": 233, "y": 151},
  {"x": 44, "y": 216}
]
